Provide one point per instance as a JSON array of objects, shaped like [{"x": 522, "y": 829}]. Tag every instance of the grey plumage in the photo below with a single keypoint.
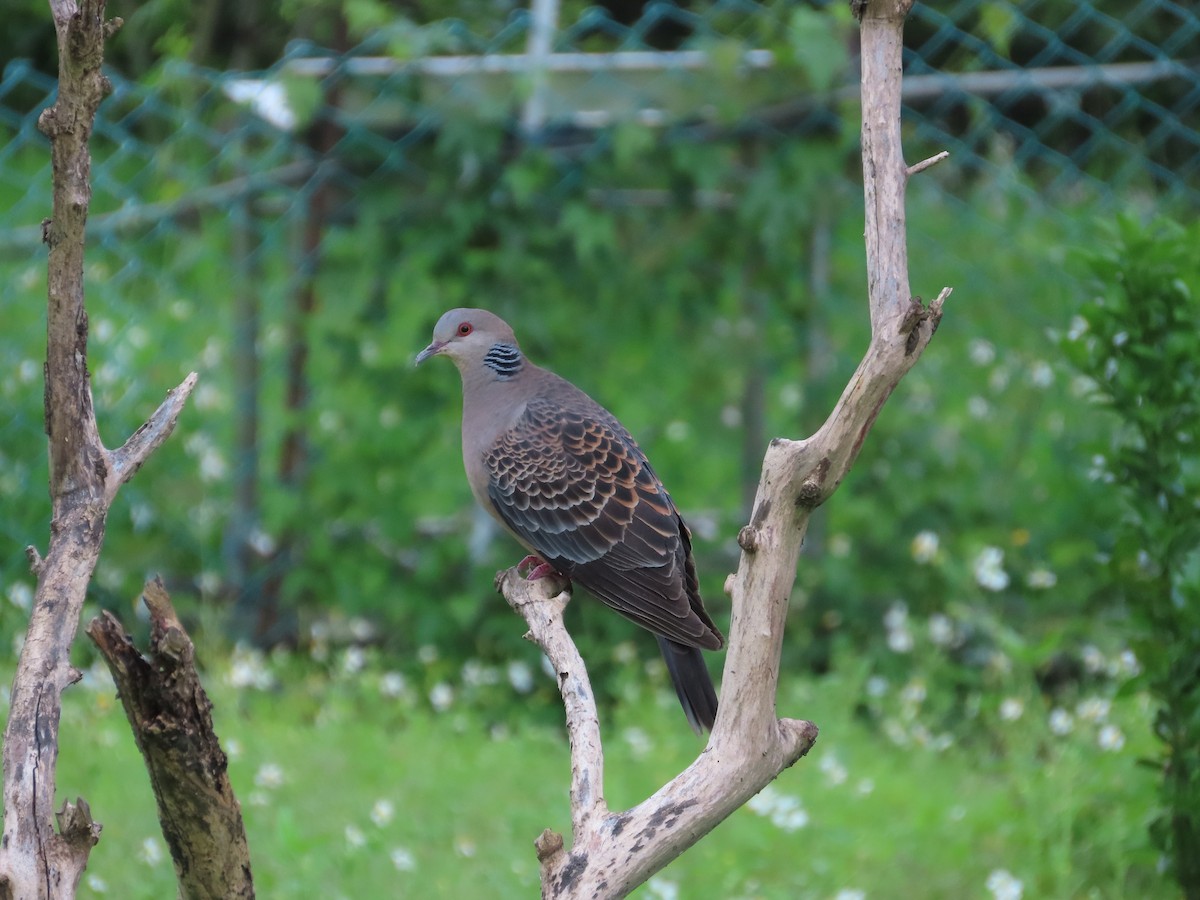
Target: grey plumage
[{"x": 571, "y": 484}]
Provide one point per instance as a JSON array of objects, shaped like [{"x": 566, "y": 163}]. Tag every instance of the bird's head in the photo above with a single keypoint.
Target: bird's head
[{"x": 474, "y": 337}]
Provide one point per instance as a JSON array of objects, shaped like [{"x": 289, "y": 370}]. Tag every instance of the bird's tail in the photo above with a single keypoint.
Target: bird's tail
[{"x": 693, "y": 684}]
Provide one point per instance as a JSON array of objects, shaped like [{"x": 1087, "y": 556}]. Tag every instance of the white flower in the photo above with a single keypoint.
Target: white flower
[
  {"x": 877, "y": 686},
  {"x": 329, "y": 421},
  {"x": 941, "y": 630},
  {"x": 150, "y": 852},
  {"x": 1110, "y": 738},
  {"x": 353, "y": 660},
  {"x": 248, "y": 668},
  {"x": 784, "y": 810},
  {"x": 678, "y": 430},
  {"x": 520, "y": 676},
  {"x": 209, "y": 582},
  {"x": 1079, "y": 325},
  {"x": 382, "y": 812},
  {"x": 1004, "y": 886},
  {"x": 942, "y": 742},
  {"x": 850, "y": 894},
  {"x": 1093, "y": 709},
  {"x": 1099, "y": 470},
  {"x": 764, "y": 801},
  {"x": 261, "y": 542},
  {"x": 900, "y": 640},
  {"x": 20, "y": 595},
  {"x": 427, "y": 654},
  {"x": 835, "y": 772},
  {"x": 639, "y": 742},
  {"x": 354, "y": 837},
  {"x": 978, "y": 408},
  {"x": 1061, "y": 722},
  {"x": 989, "y": 569},
  {"x": 914, "y": 692},
  {"x": 233, "y": 748},
  {"x": 790, "y": 396},
  {"x": 1041, "y": 578},
  {"x": 793, "y": 817},
  {"x": 896, "y": 732},
  {"x": 97, "y": 884},
  {"x": 999, "y": 662},
  {"x": 1127, "y": 664},
  {"x": 212, "y": 465},
  {"x": 269, "y": 776},
  {"x": 982, "y": 353},
  {"x": 389, "y": 417},
  {"x": 1093, "y": 659},
  {"x": 208, "y": 397},
  {"x": 1040, "y": 374},
  {"x": 403, "y": 859},
  {"x": 896, "y": 616},
  {"x": 441, "y": 696},
  {"x": 392, "y": 684},
  {"x": 476, "y": 674},
  {"x": 840, "y": 545},
  {"x": 924, "y": 546},
  {"x": 661, "y": 889},
  {"x": 1012, "y": 709}
]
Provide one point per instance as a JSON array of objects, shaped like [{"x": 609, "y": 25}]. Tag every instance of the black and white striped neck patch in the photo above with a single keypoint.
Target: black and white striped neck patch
[{"x": 504, "y": 359}]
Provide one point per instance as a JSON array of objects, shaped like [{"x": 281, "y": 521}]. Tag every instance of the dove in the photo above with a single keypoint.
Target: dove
[{"x": 568, "y": 481}]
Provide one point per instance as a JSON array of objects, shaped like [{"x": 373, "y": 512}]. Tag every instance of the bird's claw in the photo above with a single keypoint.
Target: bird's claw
[{"x": 534, "y": 568}]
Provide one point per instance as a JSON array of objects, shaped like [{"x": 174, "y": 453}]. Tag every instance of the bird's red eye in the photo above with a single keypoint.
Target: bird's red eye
[{"x": 464, "y": 329}]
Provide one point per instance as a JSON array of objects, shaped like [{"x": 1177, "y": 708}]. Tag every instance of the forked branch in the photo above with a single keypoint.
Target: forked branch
[
  {"x": 611, "y": 853},
  {"x": 36, "y": 861}
]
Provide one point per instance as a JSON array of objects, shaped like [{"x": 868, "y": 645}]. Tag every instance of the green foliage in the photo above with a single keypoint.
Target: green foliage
[
  {"x": 1138, "y": 339},
  {"x": 353, "y": 783},
  {"x": 703, "y": 279}
]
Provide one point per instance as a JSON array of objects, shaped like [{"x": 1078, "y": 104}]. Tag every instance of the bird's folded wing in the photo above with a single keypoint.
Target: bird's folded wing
[{"x": 574, "y": 486}]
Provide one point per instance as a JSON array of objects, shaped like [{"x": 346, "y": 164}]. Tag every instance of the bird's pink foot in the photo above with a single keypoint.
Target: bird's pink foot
[{"x": 536, "y": 568}]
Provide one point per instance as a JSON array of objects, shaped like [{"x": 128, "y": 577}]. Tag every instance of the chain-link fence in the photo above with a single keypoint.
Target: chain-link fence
[{"x": 294, "y": 232}]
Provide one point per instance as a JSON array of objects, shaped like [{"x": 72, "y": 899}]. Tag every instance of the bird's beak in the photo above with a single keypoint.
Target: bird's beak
[{"x": 432, "y": 350}]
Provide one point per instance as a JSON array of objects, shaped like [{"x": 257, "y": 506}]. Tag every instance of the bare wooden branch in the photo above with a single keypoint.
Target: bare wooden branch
[
  {"x": 171, "y": 718},
  {"x": 612, "y": 853},
  {"x": 929, "y": 163},
  {"x": 36, "y": 861},
  {"x": 541, "y": 604},
  {"x": 123, "y": 463}
]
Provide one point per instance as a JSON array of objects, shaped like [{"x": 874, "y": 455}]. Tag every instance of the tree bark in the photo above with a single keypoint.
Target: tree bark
[
  {"x": 612, "y": 853},
  {"x": 171, "y": 717},
  {"x": 35, "y": 860}
]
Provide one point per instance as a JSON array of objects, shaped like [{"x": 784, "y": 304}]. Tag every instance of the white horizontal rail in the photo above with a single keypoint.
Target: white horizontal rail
[{"x": 997, "y": 81}]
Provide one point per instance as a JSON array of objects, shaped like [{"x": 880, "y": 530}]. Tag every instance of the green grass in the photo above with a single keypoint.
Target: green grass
[{"x": 1062, "y": 815}]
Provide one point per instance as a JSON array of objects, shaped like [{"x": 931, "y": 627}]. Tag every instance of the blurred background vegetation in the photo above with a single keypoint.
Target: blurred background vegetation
[{"x": 664, "y": 199}]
